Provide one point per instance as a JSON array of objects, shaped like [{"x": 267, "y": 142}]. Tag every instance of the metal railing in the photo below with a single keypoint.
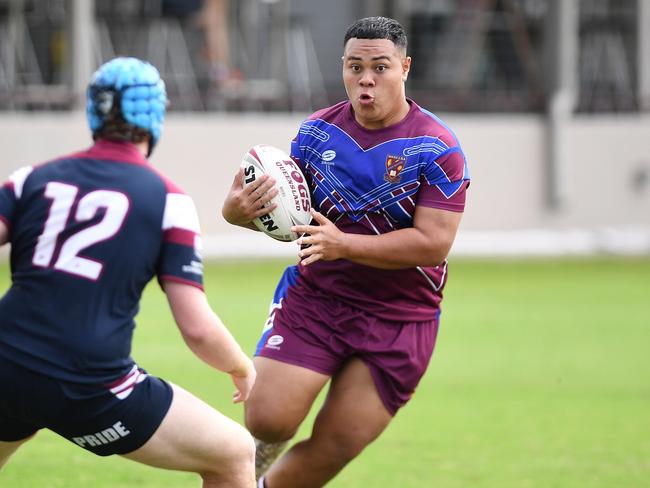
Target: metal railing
[{"x": 469, "y": 55}]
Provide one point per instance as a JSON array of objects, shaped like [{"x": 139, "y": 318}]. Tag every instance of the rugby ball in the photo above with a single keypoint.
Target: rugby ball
[{"x": 293, "y": 200}]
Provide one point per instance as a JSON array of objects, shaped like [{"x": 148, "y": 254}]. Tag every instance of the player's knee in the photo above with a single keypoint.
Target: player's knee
[
  {"x": 268, "y": 427},
  {"x": 233, "y": 461},
  {"x": 245, "y": 463},
  {"x": 243, "y": 448}
]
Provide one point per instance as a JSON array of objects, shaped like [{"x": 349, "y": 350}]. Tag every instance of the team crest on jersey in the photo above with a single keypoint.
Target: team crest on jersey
[{"x": 394, "y": 166}]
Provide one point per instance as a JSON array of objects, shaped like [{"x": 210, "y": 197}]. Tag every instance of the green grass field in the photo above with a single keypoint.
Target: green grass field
[{"x": 541, "y": 378}]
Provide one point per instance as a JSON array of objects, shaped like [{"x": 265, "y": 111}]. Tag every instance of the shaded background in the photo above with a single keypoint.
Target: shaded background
[{"x": 550, "y": 100}]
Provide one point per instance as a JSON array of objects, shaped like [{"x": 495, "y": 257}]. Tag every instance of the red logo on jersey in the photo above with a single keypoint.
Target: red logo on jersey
[{"x": 394, "y": 166}]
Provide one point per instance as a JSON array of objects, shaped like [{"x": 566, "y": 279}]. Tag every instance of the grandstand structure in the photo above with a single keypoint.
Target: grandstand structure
[{"x": 550, "y": 99}]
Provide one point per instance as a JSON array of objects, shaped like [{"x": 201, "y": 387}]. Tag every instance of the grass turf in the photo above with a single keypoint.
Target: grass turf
[{"x": 541, "y": 378}]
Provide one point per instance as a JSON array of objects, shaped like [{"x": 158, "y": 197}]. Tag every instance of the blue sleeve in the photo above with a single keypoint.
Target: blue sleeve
[
  {"x": 449, "y": 167},
  {"x": 296, "y": 153}
]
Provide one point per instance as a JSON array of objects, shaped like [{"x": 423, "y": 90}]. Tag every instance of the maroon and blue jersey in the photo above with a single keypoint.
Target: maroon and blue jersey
[
  {"x": 88, "y": 232},
  {"x": 370, "y": 182}
]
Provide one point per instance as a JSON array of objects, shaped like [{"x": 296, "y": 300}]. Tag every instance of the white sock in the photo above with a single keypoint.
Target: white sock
[{"x": 260, "y": 483}]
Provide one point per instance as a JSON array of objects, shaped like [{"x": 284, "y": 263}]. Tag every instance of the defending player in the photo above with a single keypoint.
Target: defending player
[
  {"x": 388, "y": 182},
  {"x": 87, "y": 232}
]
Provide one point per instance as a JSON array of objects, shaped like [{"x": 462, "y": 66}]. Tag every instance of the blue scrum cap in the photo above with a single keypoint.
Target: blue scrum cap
[{"x": 138, "y": 89}]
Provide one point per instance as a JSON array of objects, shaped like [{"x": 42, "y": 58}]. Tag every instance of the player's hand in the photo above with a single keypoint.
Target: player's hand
[
  {"x": 242, "y": 205},
  {"x": 324, "y": 241},
  {"x": 244, "y": 379}
]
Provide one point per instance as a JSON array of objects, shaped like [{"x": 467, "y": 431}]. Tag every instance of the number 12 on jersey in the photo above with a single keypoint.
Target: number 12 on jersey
[{"x": 64, "y": 203}]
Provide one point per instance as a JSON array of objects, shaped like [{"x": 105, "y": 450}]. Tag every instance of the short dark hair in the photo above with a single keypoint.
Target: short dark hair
[
  {"x": 377, "y": 28},
  {"x": 115, "y": 127}
]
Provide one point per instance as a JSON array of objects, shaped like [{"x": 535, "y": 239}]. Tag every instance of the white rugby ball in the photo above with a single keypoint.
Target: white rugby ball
[{"x": 293, "y": 200}]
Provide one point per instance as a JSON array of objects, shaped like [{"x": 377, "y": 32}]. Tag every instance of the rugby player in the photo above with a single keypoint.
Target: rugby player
[
  {"x": 361, "y": 309},
  {"x": 88, "y": 231}
]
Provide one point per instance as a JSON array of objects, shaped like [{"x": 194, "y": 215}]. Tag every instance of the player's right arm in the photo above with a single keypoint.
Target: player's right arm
[
  {"x": 4, "y": 233},
  {"x": 180, "y": 274},
  {"x": 208, "y": 337},
  {"x": 243, "y": 205}
]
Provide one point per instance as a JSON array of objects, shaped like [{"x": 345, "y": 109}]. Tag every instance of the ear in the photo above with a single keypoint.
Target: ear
[{"x": 406, "y": 67}]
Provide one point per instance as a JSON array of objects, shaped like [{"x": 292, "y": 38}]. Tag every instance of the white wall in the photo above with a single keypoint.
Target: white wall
[{"x": 506, "y": 209}]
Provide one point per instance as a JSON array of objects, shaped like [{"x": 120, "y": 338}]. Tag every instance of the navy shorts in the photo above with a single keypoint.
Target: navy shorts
[{"x": 104, "y": 419}]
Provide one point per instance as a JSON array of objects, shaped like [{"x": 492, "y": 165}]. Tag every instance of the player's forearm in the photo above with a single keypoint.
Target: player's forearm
[
  {"x": 203, "y": 331},
  {"x": 4, "y": 233},
  {"x": 405, "y": 248},
  {"x": 216, "y": 346}
]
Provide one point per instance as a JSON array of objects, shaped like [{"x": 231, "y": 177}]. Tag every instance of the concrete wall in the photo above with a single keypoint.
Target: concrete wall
[{"x": 608, "y": 171}]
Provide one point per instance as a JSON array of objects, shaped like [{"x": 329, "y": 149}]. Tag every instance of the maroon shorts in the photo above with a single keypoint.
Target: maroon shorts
[{"x": 313, "y": 330}]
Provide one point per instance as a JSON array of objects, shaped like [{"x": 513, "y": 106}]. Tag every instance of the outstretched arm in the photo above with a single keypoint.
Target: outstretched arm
[
  {"x": 208, "y": 337},
  {"x": 4, "y": 233},
  {"x": 427, "y": 243},
  {"x": 242, "y": 205}
]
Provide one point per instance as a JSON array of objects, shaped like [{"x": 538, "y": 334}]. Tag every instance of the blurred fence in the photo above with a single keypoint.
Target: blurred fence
[{"x": 279, "y": 55}]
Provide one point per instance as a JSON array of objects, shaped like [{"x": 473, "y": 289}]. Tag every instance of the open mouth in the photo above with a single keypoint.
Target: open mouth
[{"x": 366, "y": 98}]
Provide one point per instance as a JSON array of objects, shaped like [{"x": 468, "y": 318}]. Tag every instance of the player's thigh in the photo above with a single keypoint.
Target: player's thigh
[
  {"x": 281, "y": 398},
  {"x": 193, "y": 436},
  {"x": 353, "y": 414}
]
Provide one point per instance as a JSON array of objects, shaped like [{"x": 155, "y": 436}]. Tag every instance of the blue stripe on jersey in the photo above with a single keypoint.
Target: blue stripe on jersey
[
  {"x": 466, "y": 175},
  {"x": 355, "y": 181},
  {"x": 449, "y": 189},
  {"x": 288, "y": 279},
  {"x": 439, "y": 121}
]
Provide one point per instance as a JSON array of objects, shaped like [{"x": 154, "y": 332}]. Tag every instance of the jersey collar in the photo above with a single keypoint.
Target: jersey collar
[
  {"x": 413, "y": 107},
  {"x": 119, "y": 151}
]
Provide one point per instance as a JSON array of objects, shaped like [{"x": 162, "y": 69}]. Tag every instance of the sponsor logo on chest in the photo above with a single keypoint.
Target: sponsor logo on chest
[{"x": 328, "y": 156}]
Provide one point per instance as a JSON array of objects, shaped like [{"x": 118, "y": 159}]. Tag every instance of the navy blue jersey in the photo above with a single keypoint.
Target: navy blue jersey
[{"x": 88, "y": 232}]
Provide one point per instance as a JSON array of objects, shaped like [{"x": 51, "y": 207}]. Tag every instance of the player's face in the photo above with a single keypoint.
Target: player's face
[{"x": 374, "y": 72}]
